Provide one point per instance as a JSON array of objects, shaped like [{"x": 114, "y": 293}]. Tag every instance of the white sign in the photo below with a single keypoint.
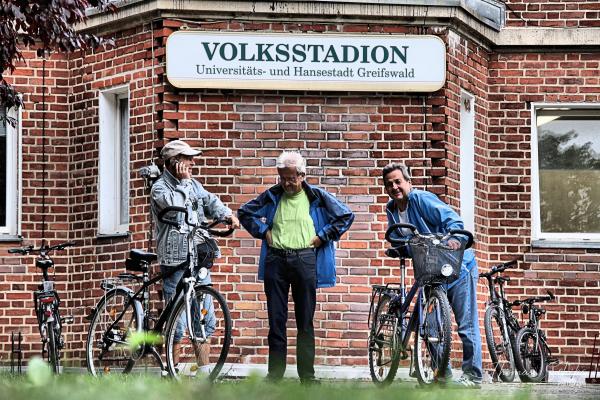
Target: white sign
[{"x": 248, "y": 60}]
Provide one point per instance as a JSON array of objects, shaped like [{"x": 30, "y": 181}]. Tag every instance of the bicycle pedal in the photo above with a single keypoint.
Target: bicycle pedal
[{"x": 67, "y": 319}]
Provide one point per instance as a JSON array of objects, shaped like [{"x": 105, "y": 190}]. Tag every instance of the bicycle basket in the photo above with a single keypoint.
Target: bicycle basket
[
  {"x": 434, "y": 262},
  {"x": 206, "y": 252}
]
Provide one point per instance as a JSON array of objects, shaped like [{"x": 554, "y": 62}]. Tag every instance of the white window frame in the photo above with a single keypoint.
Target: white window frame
[
  {"x": 467, "y": 160},
  {"x": 536, "y": 225},
  {"x": 13, "y": 175},
  {"x": 109, "y": 163}
]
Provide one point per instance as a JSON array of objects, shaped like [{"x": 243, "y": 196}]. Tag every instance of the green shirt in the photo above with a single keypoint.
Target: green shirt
[{"x": 293, "y": 228}]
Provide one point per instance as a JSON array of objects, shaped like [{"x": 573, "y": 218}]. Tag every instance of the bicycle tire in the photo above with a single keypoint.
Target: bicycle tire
[
  {"x": 52, "y": 348},
  {"x": 112, "y": 346},
  {"x": 531, "y": 360},
  {"x": 213, "y": 323},
  {"x": 432, "y": 339},
  {"x": 384, "y": 351},
  {"x": 501, "y": 352}
]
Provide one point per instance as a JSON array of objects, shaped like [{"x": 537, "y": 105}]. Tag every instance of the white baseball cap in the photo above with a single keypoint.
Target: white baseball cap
[{"x": 177, "y": 147}]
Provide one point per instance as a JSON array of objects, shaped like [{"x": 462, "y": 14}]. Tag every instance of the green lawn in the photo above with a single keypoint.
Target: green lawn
[{"x": 71, "y": 386}]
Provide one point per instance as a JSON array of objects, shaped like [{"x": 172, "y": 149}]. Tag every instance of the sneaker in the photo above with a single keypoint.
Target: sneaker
[{"x": 464, "y": 383}]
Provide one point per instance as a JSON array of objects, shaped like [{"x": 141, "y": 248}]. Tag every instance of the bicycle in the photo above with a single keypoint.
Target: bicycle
[
  {"x": 392, "y": 323},
  {"x": 501, "y": 325},
  {"x": 47, "y": 304},
  {"x": 534, "y": 356},
  {"x": 196, "y": 322}
]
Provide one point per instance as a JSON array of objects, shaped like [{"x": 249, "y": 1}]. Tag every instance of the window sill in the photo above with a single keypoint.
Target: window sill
[
  {"x": 565, "y": 244},
  {"x": 118, "y": 235},
  {"x": 11, "y": 238}
]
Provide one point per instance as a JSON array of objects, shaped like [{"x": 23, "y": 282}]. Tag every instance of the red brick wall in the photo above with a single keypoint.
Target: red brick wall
[
  {"x": 18, "y": 277},
  {"x": 515, "y": 81},
  {"x": 130, "y": 63},
  {"x": 553, "y": 13},
  {"x": 346, "y": 138}
]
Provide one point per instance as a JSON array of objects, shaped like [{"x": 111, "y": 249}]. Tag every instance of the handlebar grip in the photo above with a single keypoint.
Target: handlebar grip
[
  {"x": 169, "y": 209},
  {"x": 215, "y": 232},
  {"x": 221, "y": 233},
  {"x": 466, "y": 233},
  {"x": 13, "y": 251},
  {"x": 392, "y": 228}
]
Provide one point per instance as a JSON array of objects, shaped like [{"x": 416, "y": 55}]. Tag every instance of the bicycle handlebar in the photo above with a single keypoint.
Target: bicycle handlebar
[
  {"x": 499, "y": 268},
  {"x": 203, "y": 225},
  {"x": 537, "y": 299},
  {"x": 404, "y": 241},
  {"x": 43, "y": 250}
]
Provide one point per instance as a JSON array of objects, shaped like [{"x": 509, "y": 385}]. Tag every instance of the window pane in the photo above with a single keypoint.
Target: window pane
[
  {"x": 3, "y": 166},
  {"x": 569, "y": 171},
  {"x": 124, "y": 167}
]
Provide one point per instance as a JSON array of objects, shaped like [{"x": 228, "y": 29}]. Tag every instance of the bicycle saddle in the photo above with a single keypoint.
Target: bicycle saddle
[{"x": 141, "y": 255}]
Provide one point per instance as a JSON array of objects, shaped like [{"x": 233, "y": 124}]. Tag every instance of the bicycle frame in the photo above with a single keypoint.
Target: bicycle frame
[
  {"x": 142, "y": 296},
  {"x": 534, "y": 324},
  {"x": 416, "y": 319}
]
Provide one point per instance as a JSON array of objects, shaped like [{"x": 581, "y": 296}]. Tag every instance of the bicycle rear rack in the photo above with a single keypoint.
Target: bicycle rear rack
[
  {"x": 16, "y": 351},
  {"x": 594, "y": 368}
]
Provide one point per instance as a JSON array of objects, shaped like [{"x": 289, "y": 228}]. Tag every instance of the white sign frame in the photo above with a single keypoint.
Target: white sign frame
[{"x": 279, "y": 61}]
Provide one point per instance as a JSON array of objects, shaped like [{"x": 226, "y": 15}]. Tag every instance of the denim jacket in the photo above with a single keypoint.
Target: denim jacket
[
  {"x": 431, "y": 215},
  {"x": 172, "y": 246},
  {"x": 331, "y": 218}
]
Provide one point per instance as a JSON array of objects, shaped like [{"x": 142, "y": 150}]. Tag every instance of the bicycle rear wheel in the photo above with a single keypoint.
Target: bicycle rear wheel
[
  {"x": 204, "y": 353},
  {"x": 384, "y": 353},
  {"x": 107, "y": 349},
  {"x": 499, "y": 344},
  {"x": 52, "y": 347},
  {"x": 432, "y": 339},
  {"x": 532, "y": 358}
]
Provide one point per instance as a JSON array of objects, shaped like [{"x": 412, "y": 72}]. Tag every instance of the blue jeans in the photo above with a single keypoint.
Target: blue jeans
[
  {"x": 463, "y": 300},
  {"x": 169, "y": 288}
]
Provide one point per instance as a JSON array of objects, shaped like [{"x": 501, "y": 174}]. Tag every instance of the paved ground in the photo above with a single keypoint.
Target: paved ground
[{"x": 562, "y": 386}]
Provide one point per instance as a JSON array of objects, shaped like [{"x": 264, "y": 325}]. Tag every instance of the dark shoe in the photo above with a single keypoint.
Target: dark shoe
[
  {"x": 272, "y": 379},
  {"x": 310, "y": 381}
]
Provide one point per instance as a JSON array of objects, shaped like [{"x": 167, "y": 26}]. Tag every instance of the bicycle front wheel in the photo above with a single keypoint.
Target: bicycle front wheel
[
  {"x": 107, "y": 349},
  {"x": 201, "y": 352},
  {"x": 52, "y": 347},
  {"x": 499, "y": 344},
  {"x": 432, "y": 340},
  {"x": 532, "y": 358},
  {"x": 384, "y": 354}
]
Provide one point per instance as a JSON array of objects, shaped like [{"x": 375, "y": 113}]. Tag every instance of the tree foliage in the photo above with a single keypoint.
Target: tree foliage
[
  {"x": 44, "y": 25},
  {"x": 557, "y": 153}
]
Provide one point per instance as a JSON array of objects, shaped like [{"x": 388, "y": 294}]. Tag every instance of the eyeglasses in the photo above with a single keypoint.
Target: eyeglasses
[{"x": 290, "y": 179}]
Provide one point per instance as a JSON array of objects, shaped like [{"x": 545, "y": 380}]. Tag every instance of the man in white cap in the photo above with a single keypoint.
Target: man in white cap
[{"x": 176, "y": 187}]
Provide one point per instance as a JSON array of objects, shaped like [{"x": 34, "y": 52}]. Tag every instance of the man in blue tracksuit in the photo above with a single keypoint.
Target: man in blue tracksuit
[
  {"x": 298, "y": 224},
  {"x": 431, "y": 215}
]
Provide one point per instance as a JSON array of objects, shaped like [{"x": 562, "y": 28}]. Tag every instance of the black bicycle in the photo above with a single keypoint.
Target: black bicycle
[
  {"x": 47, "y": 304},
  {"x": 534, "y": 356},
  {"x": 392, "y": 323},
  {"x": 194, "y": 327},
  {"x": 501, "y": 325}
]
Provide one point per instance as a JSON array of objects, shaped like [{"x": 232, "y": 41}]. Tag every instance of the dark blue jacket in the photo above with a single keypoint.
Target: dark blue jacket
[
  {"x": 431, "y": 215},
  {"x": 331, "y": 218}
]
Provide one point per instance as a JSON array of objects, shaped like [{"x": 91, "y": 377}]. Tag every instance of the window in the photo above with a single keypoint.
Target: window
[
  {"x": 467, "y": 160},
  {"x": 565, "y": 172},
  {"x": 113, "y": 193},
  {"x": 9, "y": 173}
]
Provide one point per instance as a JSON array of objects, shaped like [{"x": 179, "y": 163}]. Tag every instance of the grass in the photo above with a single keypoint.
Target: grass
[{"x": 84, "y": 387}]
